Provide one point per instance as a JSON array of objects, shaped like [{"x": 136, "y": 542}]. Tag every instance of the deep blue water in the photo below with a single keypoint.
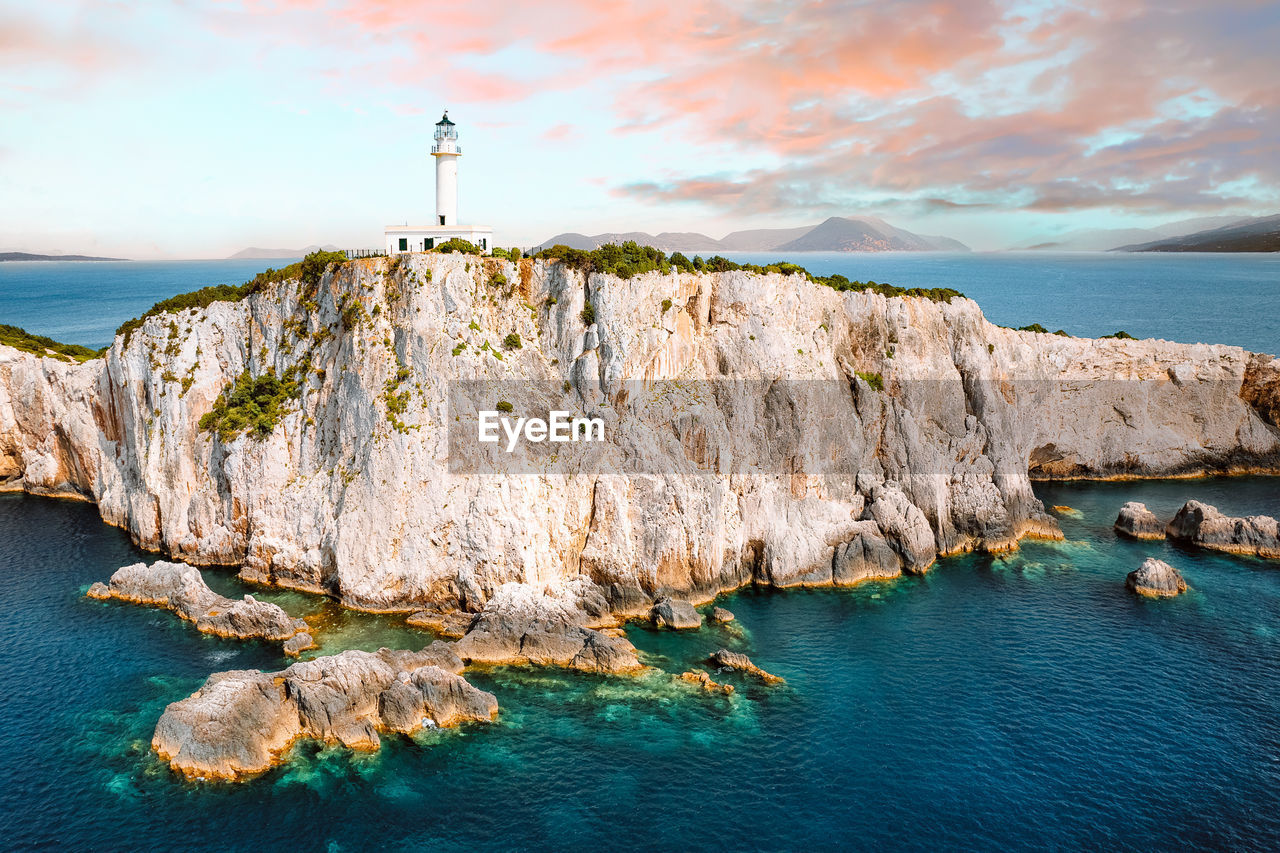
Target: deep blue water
[
  {"x": 1023, "y": 702},
  {"x": 1222, "y": 299}
]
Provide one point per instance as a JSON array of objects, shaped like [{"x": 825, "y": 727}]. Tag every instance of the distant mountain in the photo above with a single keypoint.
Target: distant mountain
[
  {"x": 1106, "y": 239},
  {"x": 254, "y": 253},
  {"x": 27, "y": 256},
  {"x": 837, "y": 234},
  {"x": 1259, "y": 234}
]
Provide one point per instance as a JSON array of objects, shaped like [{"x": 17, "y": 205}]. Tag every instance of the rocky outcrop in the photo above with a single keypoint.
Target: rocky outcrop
[
  {"x": 704, "y": 681},
  {"x": 181, "y": 589},
  {"x": 298, "y": 643},
  {"x": 1203, "y": 526},
  {"x": 763, "y": 429},
  {"x": 1156, "y": 579},
  {"x": 721, "y": 616},
  {"x": 549, "y": 627},
  {"x": 452, "y": 624},
  {"x": 240, "y": 722},
  {"x": 676, "y": 614},
  {"x": 738, "y": 662},
  {"x": 1138, "y": 522}
]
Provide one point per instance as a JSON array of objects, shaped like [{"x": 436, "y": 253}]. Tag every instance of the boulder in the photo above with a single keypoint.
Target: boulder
[
  {"x": 675, "y": 613},
  {"x": 181, "y": 589},
  {"x": 721, "y": 615},
  {"x": 1138, "y": 522},
  {"x": 1205, "y": 527},
  {"x": 866, "y": 556},
  {"x": 298, "y": 643},
  {"x": 738, "y": 662},
  {"x": 240, "y": 722},
  {"x": 1157, "y": 579},
  {"x": 520, "y": 626}
]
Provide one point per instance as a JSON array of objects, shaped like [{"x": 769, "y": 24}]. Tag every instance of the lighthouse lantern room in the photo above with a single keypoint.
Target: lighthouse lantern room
[{"x": 418, "y": 238}]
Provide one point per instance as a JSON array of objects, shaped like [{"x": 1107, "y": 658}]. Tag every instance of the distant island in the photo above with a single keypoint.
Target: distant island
[
  {"x": 1259, "y": 234},
  {"x": 27, "y": 256},
  {"x": 836, "y": 234},
  {"x": 255, "y": 254}
]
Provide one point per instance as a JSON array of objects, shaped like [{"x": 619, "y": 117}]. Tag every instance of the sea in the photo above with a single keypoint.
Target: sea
[{"x": 1024, "y": 701}]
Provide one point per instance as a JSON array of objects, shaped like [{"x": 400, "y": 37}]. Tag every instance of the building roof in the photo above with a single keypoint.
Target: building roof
[{"x": 444, "y": 120}]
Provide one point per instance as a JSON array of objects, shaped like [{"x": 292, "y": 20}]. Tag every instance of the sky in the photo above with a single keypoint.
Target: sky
[{"x": 194, "y": 129}]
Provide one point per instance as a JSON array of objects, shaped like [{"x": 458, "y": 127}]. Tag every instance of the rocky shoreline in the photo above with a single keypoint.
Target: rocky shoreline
[{"x": 1203, "y": 526}]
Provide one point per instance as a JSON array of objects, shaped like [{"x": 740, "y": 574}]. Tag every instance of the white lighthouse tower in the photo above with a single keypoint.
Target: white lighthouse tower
[
  {"x": 446, "y": 151},
  {"x": 420, "y": 238}
]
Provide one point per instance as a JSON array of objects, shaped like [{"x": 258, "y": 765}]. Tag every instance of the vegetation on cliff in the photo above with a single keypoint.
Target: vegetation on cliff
[
  {"x": 253, "y": 404},
  {"x": 631, "y": 259},
  {"x": 40, "y": 345},
  {"x": 309, "y": 270}
]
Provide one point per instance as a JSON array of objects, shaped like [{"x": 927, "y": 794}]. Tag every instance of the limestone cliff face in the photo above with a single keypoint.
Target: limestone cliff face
[{"x": 357, "y": 491}]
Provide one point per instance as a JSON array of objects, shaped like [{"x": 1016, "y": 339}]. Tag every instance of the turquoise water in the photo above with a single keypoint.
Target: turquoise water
[
  {"x": 1180, "y": 297},
  {"x": 1024, "y": 702}
]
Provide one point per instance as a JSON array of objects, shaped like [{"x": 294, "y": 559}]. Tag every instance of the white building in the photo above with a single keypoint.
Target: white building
[{"x": 419, "y": 238}]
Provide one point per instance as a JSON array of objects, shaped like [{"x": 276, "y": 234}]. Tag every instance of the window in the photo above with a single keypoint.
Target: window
[
  {"x": 442, "y": 222},
  {"x": 484, "y": 242},
  {"x": 404, "y": 244},
  {"x": 429, "y": 243}
]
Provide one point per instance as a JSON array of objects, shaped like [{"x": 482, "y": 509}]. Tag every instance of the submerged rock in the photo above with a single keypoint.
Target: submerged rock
[
  {"x": 1204, "y": 526},
  {"x": 675, "y": 613},
  {"x": 1157, "y": 579},
  {"x": 181, "y": 589},
  {"x": 736, "y": 661},
  {"x": 721, "y": 615},
  {"x": 240, "y": 722},
  {"x": 521, "y": 625},
  {"x": 704, "y": 681},
  {"x": 1138, "y": 522}
]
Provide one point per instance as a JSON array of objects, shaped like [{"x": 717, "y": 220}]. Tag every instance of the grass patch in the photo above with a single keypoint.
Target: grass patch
[{"x": 875, "y": 380}]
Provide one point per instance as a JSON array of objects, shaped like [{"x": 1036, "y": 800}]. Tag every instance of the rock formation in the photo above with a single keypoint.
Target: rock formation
[
  {"x": 704, "y": 681},
  {"x": 240, "y": 722},
  {"x": 298, "y": 643},
  {"x": 1156, "y": 578},
  {"x": 1203, "y": 526},
  {"x": 452, "y": 624},
  {"x": 721, "y": 615},
  {"x": 738, "y": 662},
  {"x": 521, "y": 625},
  {"x": 181, "y": 588},
  {"x": 801, "y": 436},
  {"x": 675, "y": 613},
  {"x": 1138, "y": 522}
]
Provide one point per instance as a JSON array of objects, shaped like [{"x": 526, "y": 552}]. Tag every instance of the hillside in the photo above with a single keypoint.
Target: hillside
[
  {"x": 836, "y": 234},
  {"x": 1261, "y": 234},
  {"x": 28, "y": 256},
  {"x": 254, "y": 253}
]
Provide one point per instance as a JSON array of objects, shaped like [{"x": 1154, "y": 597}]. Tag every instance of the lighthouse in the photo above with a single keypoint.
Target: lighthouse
[{"x": 446, "y": 152}]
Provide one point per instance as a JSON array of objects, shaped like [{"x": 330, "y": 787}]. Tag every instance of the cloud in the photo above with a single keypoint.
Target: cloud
[{"x": 1142, "y": 105}]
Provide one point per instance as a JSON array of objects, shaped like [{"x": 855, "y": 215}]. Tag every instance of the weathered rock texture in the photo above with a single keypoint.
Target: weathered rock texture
[
  {"x": 1203, "y": 526},
  {"x": 180, "y": 588},
  {"x": 550, "y": 627},
  {"x": 1138, "y": 522},
  {"x": 835, "y": 481},
  {"x": 675, "y": 613},
  {"x": 240, "y": 722},
  {"x": 1156, "y": 578},
  {"x": 738, "y": 662}
]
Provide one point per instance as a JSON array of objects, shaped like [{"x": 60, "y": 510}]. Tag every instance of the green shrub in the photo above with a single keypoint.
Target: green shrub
[
  {"x": 588, "y": 314},
  {"x": 512, "y": 341},
  {"x": 497, "y": 280},
  {"x": 1034, "y": 327},
  {"x": 40, "y": 345},
  {"x": 457, "y": 244},
  {"x": 252, "y": 404},
  {"x": 1121, "y": 335},
  {"x": 666, "y": 305},
  {"x": 459, "y": 348},
  {"x": 504, "y": 407},
  {"x": 875, "y": 380}
]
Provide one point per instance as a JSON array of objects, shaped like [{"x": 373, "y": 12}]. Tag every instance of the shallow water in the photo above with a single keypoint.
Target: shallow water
[{"x": 1027, "y": 701}]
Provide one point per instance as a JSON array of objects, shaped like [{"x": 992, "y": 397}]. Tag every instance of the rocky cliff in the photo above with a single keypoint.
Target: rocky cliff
[{"x": 819, "y": 437}]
